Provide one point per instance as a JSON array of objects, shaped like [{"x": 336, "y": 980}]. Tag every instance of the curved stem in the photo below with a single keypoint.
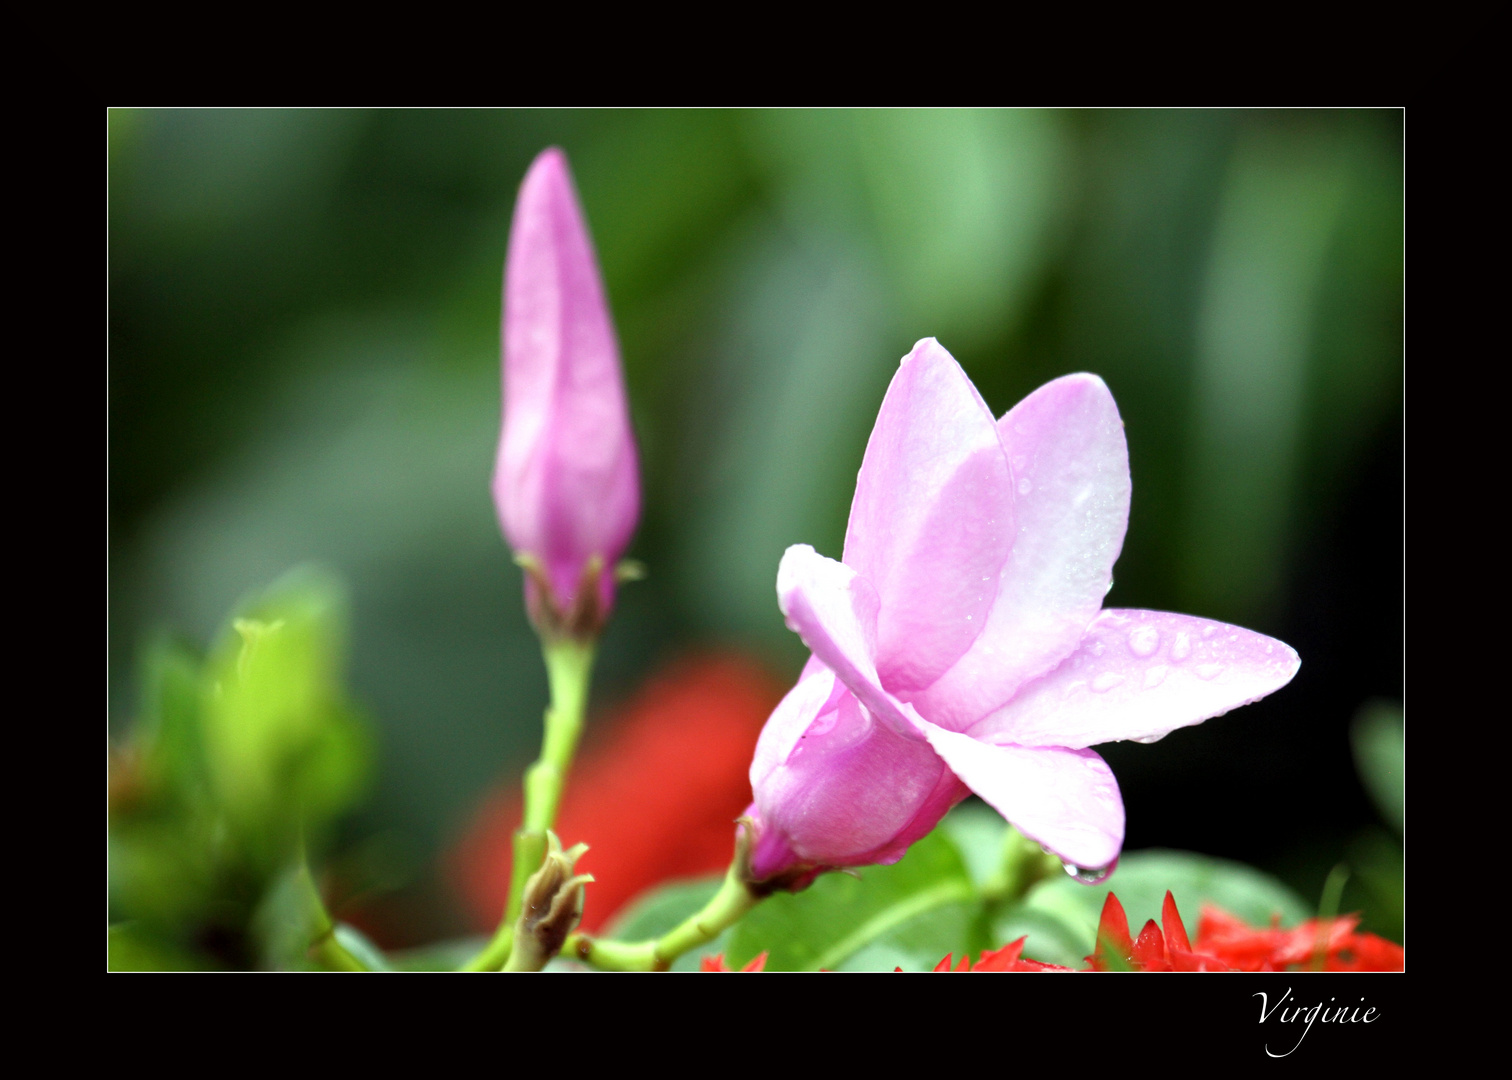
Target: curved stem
[
  {"x": 569, "y": 666},
  {"x": 733, "y": 900}
]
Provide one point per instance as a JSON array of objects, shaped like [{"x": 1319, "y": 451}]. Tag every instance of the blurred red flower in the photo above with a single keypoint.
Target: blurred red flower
[{"x": 654, "y": 793}]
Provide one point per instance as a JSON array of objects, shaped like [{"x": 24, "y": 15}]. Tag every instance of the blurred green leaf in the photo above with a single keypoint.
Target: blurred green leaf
[
  {"x": 286, "y": 748},
  {"x": 1380, "y": 756},
  {"x": 168, "y": 735},
  {"x": 441, "y": 956},
  {"x": 979, "y": 834},
  {"x": 1141, "y": 882},
  {"x": 130, "y": 948},
  {"x": 909, "y": 914},
  {"x": 361, "y": 946}
]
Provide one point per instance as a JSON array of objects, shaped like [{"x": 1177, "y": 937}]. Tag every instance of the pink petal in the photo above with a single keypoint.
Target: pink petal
[
  {"x": 790, "y": 720},
  {"x": 1066, "y": 800},
  {"x": 932, "y": 520},
  {"x": 834, "y": 610},
  {"x": 566, "y": 481},
  {"x": 849, "y": 788},
  {"x": 1070, "y": 463},
  {"x": 1140, "y": 675}
]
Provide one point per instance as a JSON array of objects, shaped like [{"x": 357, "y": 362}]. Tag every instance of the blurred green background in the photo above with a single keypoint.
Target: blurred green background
[{"x": 303, "y": 367}]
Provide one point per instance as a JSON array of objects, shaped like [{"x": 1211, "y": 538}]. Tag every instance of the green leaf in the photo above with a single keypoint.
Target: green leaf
[
  {"x": 980, "y": 834},
  {"x": 441, "y": 956},
  {"x": 168, "y": 730},
  {"x": 361, "y": 946},
  {"x": 130, "y": 948},
  {"x": 1140, "y": 882},
  {"x": 909, "y": 914},
  {"x": 284, "y": 745},
  {"x": 1380, "y": 757}
]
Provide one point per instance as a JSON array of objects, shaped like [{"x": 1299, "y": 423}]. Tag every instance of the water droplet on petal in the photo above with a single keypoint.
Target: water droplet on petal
[
  {"x": 1109, "y": 588},
  {"x": 1155, "y": 676},
  {"x": 1097, "y": 648},
  {"x": 1144, "y": 640},
  {"x": 1024, "y": 486},
  {"x": 1208, "y": 671},
  {"x": 1089, "y": 875},
  {"x": 1148, "y": 739},
  {"x": 1106, "y": 681},
  {"x": 1208, "y": 631},
  {"x": 1183, "y": 647}
]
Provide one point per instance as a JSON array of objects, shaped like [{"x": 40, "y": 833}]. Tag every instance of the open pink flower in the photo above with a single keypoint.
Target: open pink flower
[
  {"x": 566, "y": 482},
  {"x": 960, "y": 644}
]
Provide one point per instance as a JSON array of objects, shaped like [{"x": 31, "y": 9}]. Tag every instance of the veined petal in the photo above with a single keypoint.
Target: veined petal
[
  {"x": 932, "y": 520},
  {"x": 566, "y": 480},
  {"x": 1065, "y": 444},
  {"x": 1066, "y": 800},
  {"x": 834, "y": 610},
  {"x": 1140, "y": 675}
]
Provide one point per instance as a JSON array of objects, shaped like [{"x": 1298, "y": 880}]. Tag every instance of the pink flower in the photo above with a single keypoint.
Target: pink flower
[
  {"x": 566, "y": 482},
  {"x": 960, "y": 645}
]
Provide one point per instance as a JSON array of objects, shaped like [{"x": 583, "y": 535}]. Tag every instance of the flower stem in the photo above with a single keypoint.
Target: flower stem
[
  {"x": 569, "y": 666},
  {"x": 733, "y": 900}
]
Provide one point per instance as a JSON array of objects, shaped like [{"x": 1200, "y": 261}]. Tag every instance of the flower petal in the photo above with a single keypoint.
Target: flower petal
[
  {"x": 1065, "y": 444},
  {"x": 834, "y": 610},
  {"x": 932, "y": 519},
  {"x": 849, "y": 791},
  {"x": 1066, "y": 800},
  {"x": 800, "y": 708},
  {"x": 1140, "y": 675}
]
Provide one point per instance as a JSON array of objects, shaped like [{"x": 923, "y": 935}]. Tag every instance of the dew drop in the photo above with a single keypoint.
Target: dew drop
[
  {"x": 1024, "y": 486},
  {"x": 1097, "y": 648},
  {"x": 1144, "y": 640},
  {"x": 1106, "y": 681},
  {"x": 1208, "y": 671},
  {"x": 1209, "y": 630},
  {"x": 1109, "y": 588},
  {"x": 1155, "y": 676},
  {"x": 1148, "y": 739},
  {"x": 1089, "y": 875},
  {"x": 1182, "y": 648}
]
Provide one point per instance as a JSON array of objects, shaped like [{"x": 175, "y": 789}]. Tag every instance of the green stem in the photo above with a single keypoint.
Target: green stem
[
  {"x": 569, "y": 666},
  {"x": 732, "y": 901}
]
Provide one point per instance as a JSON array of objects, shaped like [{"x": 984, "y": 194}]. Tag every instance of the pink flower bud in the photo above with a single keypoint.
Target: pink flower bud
[{"x": 566, "y": 481}]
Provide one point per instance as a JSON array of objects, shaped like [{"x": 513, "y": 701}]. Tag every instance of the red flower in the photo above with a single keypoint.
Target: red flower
[
  {"x": 1325, "y": 944},
  {"x": 1152, "y": 950},
  {"x": 1005, "y": 959},
  {"x": 655, "y": 792},
  {"x": 717, "y": 963}
]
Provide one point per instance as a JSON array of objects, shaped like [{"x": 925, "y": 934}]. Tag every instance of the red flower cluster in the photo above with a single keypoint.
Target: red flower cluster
[
  {"x": 1005, "y": 959},
  {"x": 1152, "y": 950},
  {"x": 655, "y": 792},
  {"x": 1224, "y": 943},
  {"x": 717, "y": 963},
  {"x": 1322, "y": 944}
]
